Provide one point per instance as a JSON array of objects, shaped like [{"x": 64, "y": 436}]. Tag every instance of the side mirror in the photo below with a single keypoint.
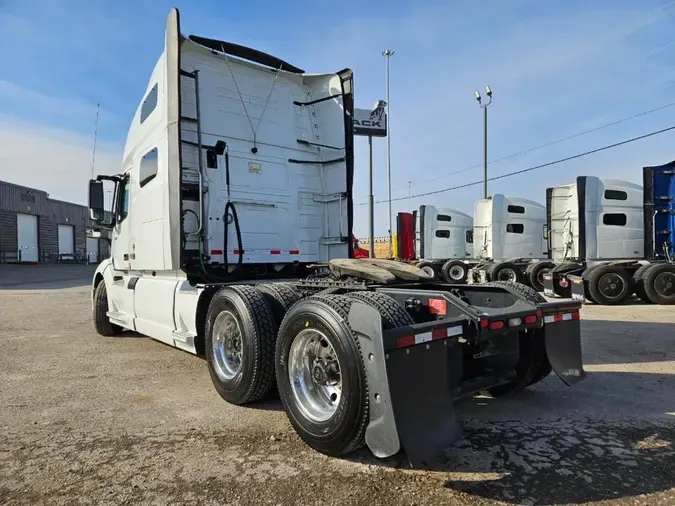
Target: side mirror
[{"x": 96, "y": 201}]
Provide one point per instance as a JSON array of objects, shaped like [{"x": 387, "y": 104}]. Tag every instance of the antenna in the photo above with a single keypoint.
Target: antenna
[{"x": 93, "y": 157}]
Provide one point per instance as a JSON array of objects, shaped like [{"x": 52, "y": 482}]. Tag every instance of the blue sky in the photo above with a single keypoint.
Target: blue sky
[{"x": 556, "y": 68}]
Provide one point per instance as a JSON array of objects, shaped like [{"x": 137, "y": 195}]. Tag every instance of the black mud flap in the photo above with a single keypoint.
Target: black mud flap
[
  {"x": 578, "y": 288},
  {"x": 562, "y": 330},
  {"x": 548, "y": 285},
  {"x": 412, "y": 374}
]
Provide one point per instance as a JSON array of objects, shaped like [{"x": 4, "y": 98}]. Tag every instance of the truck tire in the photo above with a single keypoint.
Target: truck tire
[
  {"x": 455, "y": 271},
  {"x": 533, "y": 366},
  {"x": 239, "y": 341},
  {"x": 609, "y": 285},
  {"x": 535, "y": 274},
  {"x": 280, "y": 297},
  {"x": 427, "y": 267},
  {"x": 102, "y": 323},
  {"x": 316, "y": 331},
  {"x": 586, "y": 276},
  {"x": 504, "y": 271},
  {"x": 659, "y": 283},
  {"x": 639, "y": 283},
  {"x": 393, "y": 315}
]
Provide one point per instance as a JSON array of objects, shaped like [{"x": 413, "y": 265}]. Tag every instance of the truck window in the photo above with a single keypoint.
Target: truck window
[
  {"x": 615, "y": 195},
  {"x": 149, "y": 104},
  {"x": 516, "y": 209},
  {"x": 148, "y": 168},
  {"x": 122, "y": 204},
  {"x": 515, "y": 228},
  {"x": 443, "y": 234},
  {"x": 469, "y": 236},
  {"x": 617, "y": 219},
  {"x": 443, "y": 217}
]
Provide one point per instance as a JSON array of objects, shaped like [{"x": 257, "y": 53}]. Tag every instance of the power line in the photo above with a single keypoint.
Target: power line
[
  {"x": 546, "y": 145},
  {"x": 548, "y": 164}
]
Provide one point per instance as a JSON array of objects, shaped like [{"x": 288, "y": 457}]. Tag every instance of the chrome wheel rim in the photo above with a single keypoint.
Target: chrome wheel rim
[
  {"x": 507, "y": 275},
  {"x": 227, "y": 345},
  {"x": 314, "y": 372}
]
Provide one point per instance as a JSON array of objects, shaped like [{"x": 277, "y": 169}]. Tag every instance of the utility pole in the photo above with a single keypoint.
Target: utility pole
[
  {"x": 371, "y": 203},
  {"x": 388, "y": 53},
  {"x": 483, "y": 106}
]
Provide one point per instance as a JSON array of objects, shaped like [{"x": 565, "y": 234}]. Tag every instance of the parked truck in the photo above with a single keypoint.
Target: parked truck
[
  {"x": 231, "y": 238},
  {"x": 611, "y": 239},
  {"x": 504, "y": 241}
]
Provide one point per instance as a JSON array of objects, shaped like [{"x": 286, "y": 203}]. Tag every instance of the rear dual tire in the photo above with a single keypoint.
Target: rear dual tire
[{"x": 340, "y": 429}]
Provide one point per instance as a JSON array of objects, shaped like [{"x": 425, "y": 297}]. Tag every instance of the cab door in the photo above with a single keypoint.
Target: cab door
[{"x": 120, "y": 243}]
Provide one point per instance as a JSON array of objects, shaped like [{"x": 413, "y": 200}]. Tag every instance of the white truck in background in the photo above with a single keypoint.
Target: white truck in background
[
  {"x": 604, "y": 240},
  {"x": 231, "y": 237}
]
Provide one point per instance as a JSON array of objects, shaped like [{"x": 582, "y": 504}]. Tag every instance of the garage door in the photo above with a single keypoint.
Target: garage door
[
  {"x": 92, "y": 250},
  {"x": 27, "y": 237},
  {"x": 66, "y": 240}
]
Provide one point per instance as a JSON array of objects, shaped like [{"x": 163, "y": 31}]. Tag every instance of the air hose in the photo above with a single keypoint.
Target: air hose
[{"x": 231, "y": 210}]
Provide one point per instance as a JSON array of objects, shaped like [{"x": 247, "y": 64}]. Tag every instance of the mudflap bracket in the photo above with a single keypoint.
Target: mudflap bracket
[
  {"x": 562, "y": 334},
  {"x": 410, "y": 388}
]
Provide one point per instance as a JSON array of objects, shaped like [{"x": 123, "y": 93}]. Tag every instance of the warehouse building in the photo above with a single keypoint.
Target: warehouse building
[{"x": 37, "y": 229}]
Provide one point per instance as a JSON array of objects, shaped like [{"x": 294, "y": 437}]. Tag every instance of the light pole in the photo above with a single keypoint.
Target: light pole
[
  {"x": 485, "y": 160},
  {"x": 410, "y": 196},
  {"x": 388, "y": 53}
]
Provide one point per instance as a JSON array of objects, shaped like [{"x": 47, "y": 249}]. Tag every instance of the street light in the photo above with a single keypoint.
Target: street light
[
  {"x": 483, "y": 106},
  {"x": 388, "y": 53}
]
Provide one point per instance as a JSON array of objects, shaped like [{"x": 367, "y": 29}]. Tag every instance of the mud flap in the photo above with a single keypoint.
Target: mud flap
[
  {"x": 410, "y": 389},
  {"x": 548, "y": 285},
  {"x": 562, "y": 331},
  {"x": 578, "y": 288}
]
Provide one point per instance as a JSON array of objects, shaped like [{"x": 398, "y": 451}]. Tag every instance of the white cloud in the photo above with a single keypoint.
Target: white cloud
[{"x": 51, "y": 159}]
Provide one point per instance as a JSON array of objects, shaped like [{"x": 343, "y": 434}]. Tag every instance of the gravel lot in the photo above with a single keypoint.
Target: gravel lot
[{"x": 92, "y": 420}]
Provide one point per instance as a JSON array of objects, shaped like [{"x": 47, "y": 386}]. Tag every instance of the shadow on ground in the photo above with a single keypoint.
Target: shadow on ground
[
  {"x": 551, "y": 444},
  {"x": 45, "y": 276}
]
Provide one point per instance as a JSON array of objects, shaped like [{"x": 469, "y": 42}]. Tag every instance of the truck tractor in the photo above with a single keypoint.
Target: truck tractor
[
  {"x": 231, "y": 231},
  {"x": 611, "y": 239}
]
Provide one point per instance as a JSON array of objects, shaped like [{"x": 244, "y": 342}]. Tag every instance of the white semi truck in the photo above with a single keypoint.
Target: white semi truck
[
  {"x": 611, "y": 238},
  {"x": 231, "y": 230},
  {"x": 506, "y": 240}
]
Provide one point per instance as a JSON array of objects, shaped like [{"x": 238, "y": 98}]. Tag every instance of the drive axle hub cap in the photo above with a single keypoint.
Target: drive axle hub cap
[
  {"x": 664, "y": 284},
  {"x": 314, "y": 372},
  {"x": 227, "y": 345},
  {"x": 456, "y": 272},
  {"x": 612, "y": 285}
]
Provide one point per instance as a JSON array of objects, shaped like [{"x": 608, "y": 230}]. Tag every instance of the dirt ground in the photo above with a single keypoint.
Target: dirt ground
[{"x": 92, "y": 420}]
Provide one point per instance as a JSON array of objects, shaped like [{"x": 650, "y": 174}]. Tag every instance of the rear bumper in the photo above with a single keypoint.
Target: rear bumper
[{"x": 414, "y": 374}]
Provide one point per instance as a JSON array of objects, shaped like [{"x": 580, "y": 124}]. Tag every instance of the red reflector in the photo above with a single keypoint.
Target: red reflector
[
  {"x": 496, "y": 325},
  {"x": 530, "y": 319},
  {"x": 540, "y": 313},
  {"x": 439, "y": 333},
  {"x": 557, "y": 317},
  {"x": 402, "y": 342},
  {"x": 216, "y": 251},
  {"x": 437, "y": 306},
  {"x": 294, "y": 252},
  {"x": 275, "y": 252},
  {"x": 236, "y": 252},
  {"x": 484, "y": 323},
  {"x": 576, "y": 315}
]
